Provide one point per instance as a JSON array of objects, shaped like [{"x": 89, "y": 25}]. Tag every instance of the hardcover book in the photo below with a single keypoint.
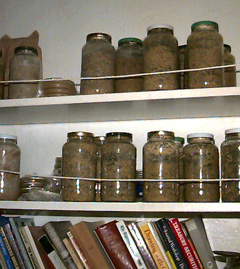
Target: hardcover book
[{"x": 5, "y": 254}]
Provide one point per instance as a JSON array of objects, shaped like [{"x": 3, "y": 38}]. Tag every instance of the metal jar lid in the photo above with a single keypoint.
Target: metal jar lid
[
  {"x": 160, "y": 133},
  {"x": 79, "y": 134},
  {"x": 160, "y": 26},
  {"x": 232, "y": 130},
  {"x": 200, "y": 135}
]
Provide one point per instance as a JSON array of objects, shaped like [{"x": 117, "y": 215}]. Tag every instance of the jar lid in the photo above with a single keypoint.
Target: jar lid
[
  {"x": 227, "y": 47},
  {"x": 79, "y": 134},
  {"x": 7, "y": 136},
  {"x": 207, "y": 23},
  {"x": 180, "y": 139},
  {"x": 99, "y": 36},
  {"x": 200, "y": 135},
  {"x": 34, "y": 50},
  {"x": 119, "y": 134},
  {"x": 160, "y": 133},
  {"x": 232, "y": 130},
  {"x": 130, "y": 40},
  {"x": 161, "y": 25}
]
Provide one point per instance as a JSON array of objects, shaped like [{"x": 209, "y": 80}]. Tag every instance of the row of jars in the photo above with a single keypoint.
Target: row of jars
[
  {"x": 114, "y": 157},
  {"x": 158, "y": 52}
]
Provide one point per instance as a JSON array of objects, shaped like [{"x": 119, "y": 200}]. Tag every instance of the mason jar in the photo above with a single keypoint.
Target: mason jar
[
  {"x": 160, "y": 161},
  {"x": 9, "y": 161},
  {"x": 183, "y": 65},
  {"x": 129, "y": 60},
  {"x": 230, "y": 163},
  {"x": 118, "y": 162},
  {"x": 160, "y": 53},
  {"x": 98, "y": 56},
  {"x": 25, "y": 65},
  {"x": 205, "y": 49},
  {"x": 2, "y": 72},
  {"x": 230, "y": 72},
  {"x": 79, "y": 160},
  {"x": 201, "y": 161}
]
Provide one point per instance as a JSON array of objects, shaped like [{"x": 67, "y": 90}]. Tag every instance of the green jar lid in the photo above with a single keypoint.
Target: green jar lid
[
  {"x": 129, "y": 40},
  {"x": 180, "y": 139},
  {"x": 211, "y": 23}
]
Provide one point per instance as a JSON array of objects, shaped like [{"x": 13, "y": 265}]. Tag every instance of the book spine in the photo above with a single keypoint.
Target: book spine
[
  {"x": 171, "y": 242},
  {"x": 78, "y": 250},
  {"x": 130, "y": 244},
  {"x": 72, "y": 252},
  {"x": 152, "y": 245},
  {"x": 9, "y": 249},
  {"x": 183, "y": 243},
  {"x": 5, "y": 254}
]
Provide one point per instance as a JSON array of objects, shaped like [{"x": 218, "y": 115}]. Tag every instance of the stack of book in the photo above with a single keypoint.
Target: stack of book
[{"x": 164, "y": 243}]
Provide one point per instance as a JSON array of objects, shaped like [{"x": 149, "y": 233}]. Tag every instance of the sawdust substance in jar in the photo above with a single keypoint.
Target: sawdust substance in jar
[
  {"x": 160, "y": 53},
  {"x": 79, "y": 160},
  {"x": 129, "y": 60},
  {"x": 25, "y": 65},
  {"x": 201, "y": 161},
  {"x": 118, "y": 162},
  {"x": 9, "y": 161},
  {"x": 183, "y": 65},
  {"x": 2, "y": 72},
  {"x": 230, "y": 72},
  {"x": 230, "y": 163},
  {"x": 98, "y": 56},
  {"x": 160, "y": 161},
  {"x": 205, "y": 49}
]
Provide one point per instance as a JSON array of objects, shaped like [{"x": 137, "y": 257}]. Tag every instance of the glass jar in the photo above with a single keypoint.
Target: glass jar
[
  {"x": 9, "y": 161},
  {"x": 230, "y": 72},
  {"x": 201, "y": 161},
  {"x": 79, "y": 160},
  {"x": 30, "y": 183},
  {"x": 160, "y": 161},
  {"x": 25, "y": 65},
  {"x": 99, "y": 141},
  {"x": 98, "y": 56},
  {"x": 160, "y": 53},
  {"x": 129, "y": 60},
  {"x": 205, "y": 49},
  {"x": 180, "y": 142},
  {"x": 230, "y": 163},
  {"x": 182, "y": 65},
  {"x": 118, "y": 162},
  {"x": 2, "y": 72}
]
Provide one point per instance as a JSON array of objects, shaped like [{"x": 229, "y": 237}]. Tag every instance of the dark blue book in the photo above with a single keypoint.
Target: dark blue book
[
  {"x": 6, "y": 254},
  {"x": 171, "y": 242}
]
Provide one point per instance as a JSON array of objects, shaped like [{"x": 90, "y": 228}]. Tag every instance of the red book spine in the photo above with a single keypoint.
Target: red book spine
[{"x": 184, "y": 245}]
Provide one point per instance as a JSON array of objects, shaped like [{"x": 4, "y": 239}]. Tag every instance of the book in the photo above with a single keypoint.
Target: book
[
  {"x": 152, "y": 245},
  {"x": 57, "y": 231},
  {"x": 78, "y": 250},
  {"x": 83, "y": 233},
  {"x": 196, "y": 229},
  {"x": 5, "y": 254},
  {"x": 183, "y": 243},
  {"x": 113, "y": 244},
  {"x": 3, "y": 264},
  {"x": 137, "y": 236},
  {"x": 171, "y": 243},
  {"x": 130, "y": 244},
  {"x": 73, "y": 253}
]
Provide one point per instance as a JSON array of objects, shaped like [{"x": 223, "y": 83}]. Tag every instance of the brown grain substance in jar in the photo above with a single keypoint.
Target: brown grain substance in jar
[
  {"x": 230, "y": 163},
  {"x": 230, "y": 72},
  {"x": 79, "y": 160},
  {"x": 183, "y": 65},
  {"x": 118, "y": 162},
  {"x": 160, "y": 161},
  {"x": 201, "y": 161}
]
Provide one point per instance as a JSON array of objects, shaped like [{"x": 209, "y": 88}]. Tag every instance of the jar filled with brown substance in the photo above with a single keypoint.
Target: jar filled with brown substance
[
  {"x": 160, "y": 161},
  {"x": 2, "y": 72},
  {"x": 230, "y": 163},
  {"x": 98, "y": 56},
  {"x": 118, "y": 162},
  {"x": 160, "y": 53},
  {"x": 205, "y": 49},
  {"x": 230, "y": 72},
  {"x": 25, "y": 65},
  {"x": 129, "y": 60},
  {"x": 183, "y": 65},
  {"x": 79, "y": 160},
  {"x": 201, "y": 161},
  {"x": 9, "y": 161}
]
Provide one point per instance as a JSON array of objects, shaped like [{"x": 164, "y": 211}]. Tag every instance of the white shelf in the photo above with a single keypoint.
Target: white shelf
[{"x": 212, "y": 102}]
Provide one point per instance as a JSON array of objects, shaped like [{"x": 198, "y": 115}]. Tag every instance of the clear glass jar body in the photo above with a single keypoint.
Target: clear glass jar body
[
  {"x": 230, "y": 72},
  {"x": 182, "y": 65},
  {"x": 79, "y": 160},
  {"x": 160, "y": 161},
  {"x": 10, "y": 161},
  {"x": 118, "y": 162},
  {"x": 98, "y": 56},
  {"x": 230, "y": 163},
  {"x": 160, "y": 53},
  {"x": 25, "y": 65},
  {"x": 205, "y": 49},
  {"x": 2, "y": 72},
  {"x": 129, "y": 60},
  {"x": 201, "y": 161}
]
